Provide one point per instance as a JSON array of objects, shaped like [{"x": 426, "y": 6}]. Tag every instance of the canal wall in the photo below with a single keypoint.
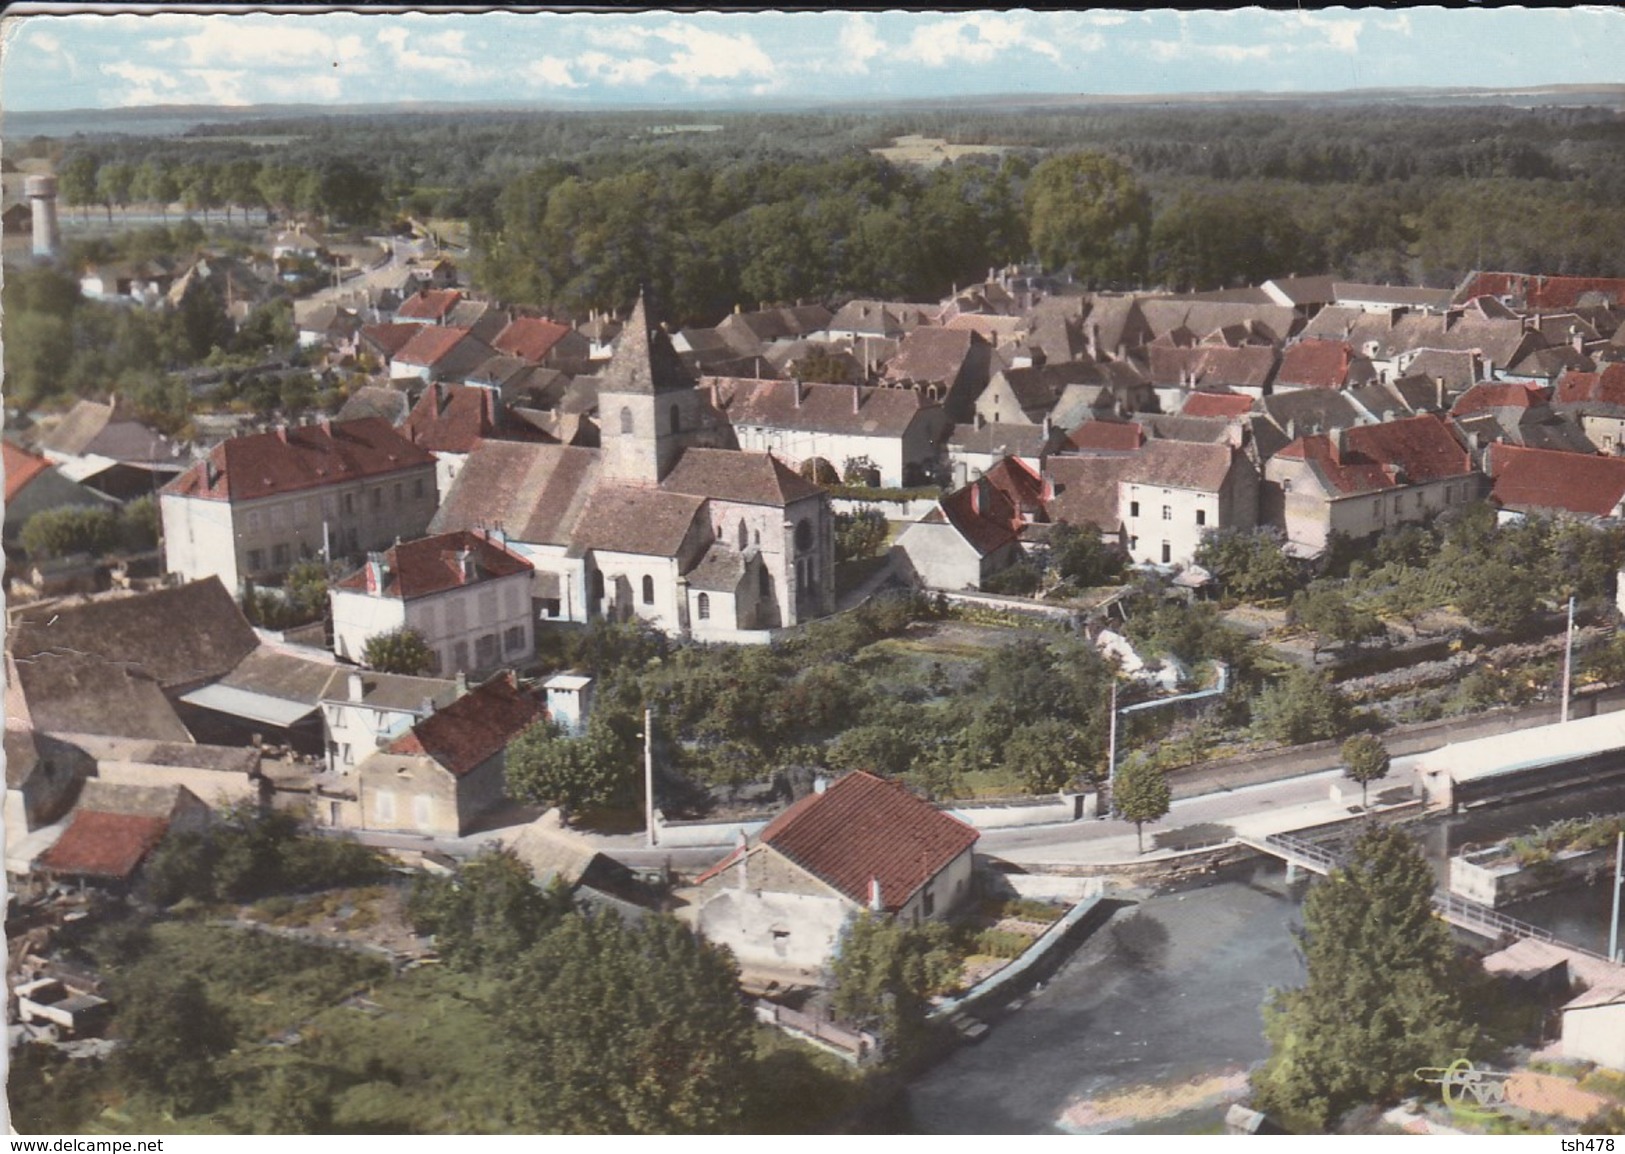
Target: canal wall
[{"x": 1481, "y": 878}]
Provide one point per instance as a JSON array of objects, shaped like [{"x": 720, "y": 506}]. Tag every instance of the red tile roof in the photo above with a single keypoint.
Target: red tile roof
[
  {"x": 430, "y": 345},
  {"x": 1020, "y": 484},
  {"x": 1107, "y": 436},
  {"x": 1544, "y": 292},
  {"x": 1498, "y": 395},
  {"x": 431, "y": 565},
  {"x": 451, "y": 418},
  {"x": 854, "y": 410},
  {"x": 1544, "y": 479},
  {"x": 104, "y": 845},
  {"x": 864, "y": 829},
  {"x": 300, "y": 457},
  {"x": 429, "y": 304},
  {"x": 929, "y": 354},
  {"x": 474, "y": 728},
  {"x": 1605, "y": 388},
  {"x": 21, "y": 467},
  {"x": 1217, "y": 405},
  {"x": 1406, "y": 452},
  {"x": 1315, "y": 365},
  {"x": 389, "y": 339},
  {"x": 982, "y": 513},
  {"x": 531, "y": 338}
]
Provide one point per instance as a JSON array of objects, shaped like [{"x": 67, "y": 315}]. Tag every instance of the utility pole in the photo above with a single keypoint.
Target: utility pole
[
  {"x": 1568, "y": 664},
  {"x": 1619, "y": 883},
  {"x": 1111, "y": 755},
  {"x": 649, "y": 778}
]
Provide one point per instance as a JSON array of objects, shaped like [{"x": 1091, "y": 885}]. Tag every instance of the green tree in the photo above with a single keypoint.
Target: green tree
[
  {"x": 1249, "y": 564},
  {"x": 860, "y": 534},
  {"x": 489, "y": 914},
  {"x": 76, "y": 181},
  {"x": 1141, "y": 794},
  {"x": 1301, "y": 707},
  {"x": 113, "y": 183},
  {"x": 1080, "y": 557},
  {"x": 1331, "y": 615},
  {"x": 1383, "y": 991},
  {"x": 398, "y": 651},
  {"x": 883, "y": 974},
  {"x": 596, "y": 770},
  {"x": 1087, "y": 211},
  {"x": 1365, "y": 760},
  {"x": 628, "y": 1029},
  {"x": 60, "y": 532},
  {"x": 173, "y": 1036}
]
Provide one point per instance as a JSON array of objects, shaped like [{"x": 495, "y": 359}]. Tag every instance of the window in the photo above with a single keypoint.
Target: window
[
  {"x": 1167, "y": 512},
  {"x": 1133, "y": 543},
  {"x": 384, "y": 806},
  {"x": 256, "y": 560},
  {"x": 676, "y": 419},
  {"x": 253, "y": 525},
  {"x": 281, "y": 556},
  {"x": 488, "y": 606},
  {"x": 349, "y": 757},
  {"x": 928, "y": 902},
  {"x": 301, "y": 513},
  {"x": 417, "y": 488},
  {"x": 485, "y": 650},
  {"x": 1201, "y": 516},
  {"x": 648, "y": 589},
  {"x": 378, "y": 498},
  {"x": 1133, "y": 508},
  {"x": 626, "y": 420},
  {"x": 1167, "y": 553},
  {"x": 1376, "y": 508},
  {"x": 459, "y": 655},
  {"x": 279, "y": 517},
  {"x": 514, "y": 639},
  {"x": 704, "y": 606},
  {"x": 420, "y": 810},
  {"x": 349, "y": 503},
  {"x": 1286, "y": 486},
  {"x": 398, "y": 493},
  {"x": 764, "y": 583},
  {"x": 804, "y": 537},
  {"x": 327, "y": 506},
  {"x": 744, "y": 535},
  {"x": 456, "y": 615},
  {"x": 598, "y": 584},
  {"x": 550, "y": 607}
]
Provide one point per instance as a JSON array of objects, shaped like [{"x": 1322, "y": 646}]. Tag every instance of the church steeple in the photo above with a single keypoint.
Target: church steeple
[{"x": 645, "y": 361}]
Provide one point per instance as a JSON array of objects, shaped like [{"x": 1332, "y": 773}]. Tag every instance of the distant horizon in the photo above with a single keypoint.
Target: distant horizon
[{"x": 69, "y": 61}]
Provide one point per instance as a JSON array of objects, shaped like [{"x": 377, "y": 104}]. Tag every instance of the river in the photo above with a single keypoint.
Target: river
[{"x": 1154, "y": 1022}]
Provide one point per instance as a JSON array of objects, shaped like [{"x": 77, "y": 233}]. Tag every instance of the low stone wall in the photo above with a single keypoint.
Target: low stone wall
[
  {"x": 1476, "y": 877},
  {"x": 1017, "y": 812},
  {"x": 703, "y": 834},
  {"x": 1021, "y": 605},
  {"x": 1021, "y": 968}
]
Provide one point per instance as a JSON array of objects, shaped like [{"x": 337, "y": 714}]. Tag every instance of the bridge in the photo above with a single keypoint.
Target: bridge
[{"x": 1471, "y": 916}]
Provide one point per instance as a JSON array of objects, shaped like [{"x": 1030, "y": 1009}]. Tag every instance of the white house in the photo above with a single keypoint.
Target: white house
[
  {"x": 363, "y": 711},
  {"x": 465, "y": 593}
]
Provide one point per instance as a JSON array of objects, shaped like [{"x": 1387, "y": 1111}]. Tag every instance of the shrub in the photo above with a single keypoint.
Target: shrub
[{"x": 1002, "y": 943}]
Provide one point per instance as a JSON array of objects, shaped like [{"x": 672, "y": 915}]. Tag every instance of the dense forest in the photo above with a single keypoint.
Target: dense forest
[{"x": 573, "y": 211}]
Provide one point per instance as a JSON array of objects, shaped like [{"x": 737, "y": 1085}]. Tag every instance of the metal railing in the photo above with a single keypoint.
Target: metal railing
[{"x": 1294, "y": 849}]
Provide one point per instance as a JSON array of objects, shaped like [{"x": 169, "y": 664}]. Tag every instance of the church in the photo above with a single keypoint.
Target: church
[{"x": 668, "y": 523}]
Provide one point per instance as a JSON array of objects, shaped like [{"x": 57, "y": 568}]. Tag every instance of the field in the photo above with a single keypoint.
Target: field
[{"x": 932, "y": 151}]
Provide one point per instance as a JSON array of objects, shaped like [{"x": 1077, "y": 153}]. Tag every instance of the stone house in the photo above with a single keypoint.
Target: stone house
[
  {"x": 950, "y": 366},
  {"x": 1597, "y": 401},
  {"x": 1363, "y": 480},
  {"x": 114, "y": 828},
  {"x": 465, "y": 593},
  {"x": 364, "y": 710},
  {"x": 258, "y": 504},
  {"x": 1556, "y": 484},
  {"x": 892, "y": 432},
  {"x": 448, "y": 770},
  {"x": 782, "y": 903},
  {"x": 972, "y": 534},
  {"x": 1174, "y": 494}
]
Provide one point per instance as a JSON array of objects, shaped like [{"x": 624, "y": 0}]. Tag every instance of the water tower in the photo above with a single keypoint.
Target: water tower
[{"x": 41, "y": 192}]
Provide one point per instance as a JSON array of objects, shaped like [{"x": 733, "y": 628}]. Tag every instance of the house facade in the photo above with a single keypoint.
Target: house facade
[
  {"x": 1175, "y": 493},
  {"x": 257, "y": 505},
  {"x": 783, "y": 903},
  {"x": 466, "y": 594},
  {"x": 363, "y": 711}
]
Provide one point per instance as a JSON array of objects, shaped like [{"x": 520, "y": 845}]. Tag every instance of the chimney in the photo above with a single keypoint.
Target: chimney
[
  {"x": 1291, "y": 429},
  {"x": 1438, "y": 392},
  {"x": 876, "y": 902},
  {"x": 426, "y": 707},
  {"x": 326, "y": 424},
  {"x": 1094, "y": 342},
  {"x": 820, "y": 783},
  {"x": 465, "y": 566},
  {"x": 210, "y": 473},
  {"x": 1339, "y": 438},
  {"x": 1049, "y": 427},
  {"x": 799, "y": 390},
  {"x": 358, "y": 689},
  {"x": 1577, "y": 339},
  {"x": 462, "y": 684},
  {"x": 282, "y": 433},
  {"x": 377, "y": 574}
]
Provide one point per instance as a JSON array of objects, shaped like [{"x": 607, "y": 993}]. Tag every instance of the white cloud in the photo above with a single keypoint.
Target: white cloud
[
  {"x": 446, "y": 60},
  {"x": 974, "y": 38},
  {"x": 222, "y": 41},
  {"x": 625, "y": 37},
  {"x": 617, "y": 71},
  {"x": 858, "y": 44},
  {"x": 1166, "y": 51},
  {"x": 1342, "y": 35},
  {"x": 149, "y": 85},
  {"x": 551, "y": 71},
  {"x": 704, "y": 55},
  {"x": 45, "y": 42},
  {"x": 1400, "y": 24}
]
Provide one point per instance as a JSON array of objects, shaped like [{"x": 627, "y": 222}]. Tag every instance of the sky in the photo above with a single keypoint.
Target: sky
[{"x": 82, "y": 59}]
